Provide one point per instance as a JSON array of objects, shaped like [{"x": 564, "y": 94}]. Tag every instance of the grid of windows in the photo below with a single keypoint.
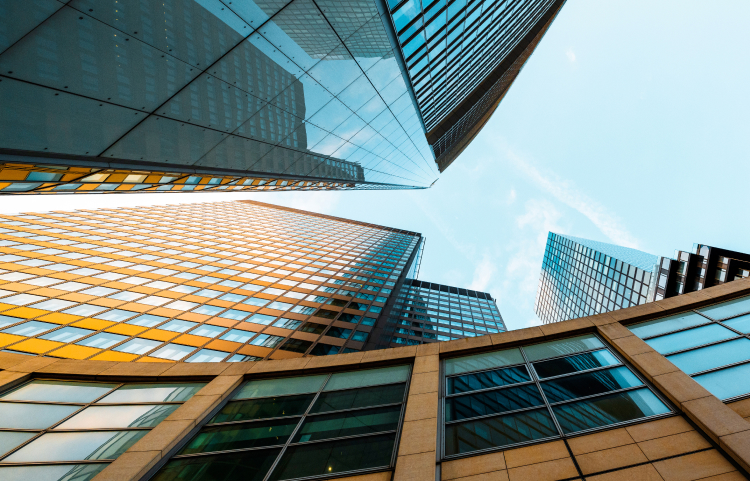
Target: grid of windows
[
  {"x": 300, "y": 427},
  {"x": 428, "y": 312},
  {"x": 578, "y": 281},
  {"x": 540, "y": 392},
  {"x": 227, "y": 281},
  {"x": 711, "y": 344},
  {"x": 451, "y": 46},
  {"x": 51, "y": 429}
]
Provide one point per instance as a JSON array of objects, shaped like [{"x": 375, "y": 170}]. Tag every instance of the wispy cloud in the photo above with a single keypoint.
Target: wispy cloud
[
  {"x": 607, "y": 222},
  {"x": 571, "y": 55}
]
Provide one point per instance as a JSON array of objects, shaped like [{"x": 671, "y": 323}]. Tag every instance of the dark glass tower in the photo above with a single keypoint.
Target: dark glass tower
[{"x": 214, "y": 95}]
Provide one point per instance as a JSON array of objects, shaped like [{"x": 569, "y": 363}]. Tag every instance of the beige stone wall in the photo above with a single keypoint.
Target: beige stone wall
[{"x": 706, "y": 439}]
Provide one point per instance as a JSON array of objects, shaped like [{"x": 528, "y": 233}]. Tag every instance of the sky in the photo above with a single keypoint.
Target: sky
[{"x": 629, "y": 124}]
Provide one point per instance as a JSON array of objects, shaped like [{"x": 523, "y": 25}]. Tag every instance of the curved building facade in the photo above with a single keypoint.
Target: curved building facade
[{"x": 637, "y": 394}]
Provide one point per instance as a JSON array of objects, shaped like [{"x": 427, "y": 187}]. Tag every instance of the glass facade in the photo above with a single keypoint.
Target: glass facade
[
  {"x": 542, "y": 391},
  {"x": 711, "y": 344},
  {"x": 299, "y": 427},
  {"x": 581, "y": 278},
  {"x": 428, "y": 312},
  {"x": 71, "y": 430},
  {"x": 204, "y": 95}
]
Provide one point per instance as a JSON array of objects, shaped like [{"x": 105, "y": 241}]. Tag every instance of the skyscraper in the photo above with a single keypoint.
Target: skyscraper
[
  {"x": 188, "y": 95},
  {"x": 233, "y": 281},
  {"x": 581, "y": 277}
]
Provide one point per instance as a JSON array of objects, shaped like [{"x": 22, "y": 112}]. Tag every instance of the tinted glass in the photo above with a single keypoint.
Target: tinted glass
[
  {"x": 136, "y": 416},
  {"x": 264, "y": 408},
  {"x": 76, "y": 446},
  {"x": 357, "y": 398},
  {"x": 667, "y": 324},
  {"x": 247, "y": 466},
  {"x": 60, "y": 391},
  {"x": 478, "y": 362},
  {"x": 370, "y": 377},
  {"x": 491, "y": 402},
  {"x": 498, "y": 431},
  {"x": 741, "y": 323},
  {"x": 64, "y": 472},
  {"x": 564, "y": 346},
  {"x": 280, "y": 387},
  {"x": 33, "y": 416},
  {"x": 144, "y": 393},
  {"x": 589, "y": 384},
  {"x": 727, "y": 309},
  {"x": 710, "y": 357},
  {"x": 727, "y": 383},
  {"x": 487, "y": 379},
  {"x": 351, "y": 423},
  {"x": 335, "y": 457},
  {"x": 11, "y": 439},
  {"x": 239, "y": 436},
  {"x": 605, "y": 410},
  {"x": 692, "y": 338},
  {"x": 580, "y": 362}
]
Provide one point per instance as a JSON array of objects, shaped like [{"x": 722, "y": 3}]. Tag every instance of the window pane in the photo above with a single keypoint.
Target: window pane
[
  {"x": 66, "y": 334},
  {"x": 562, "y": 347},
  {"x": 174, "y": 352},
  {"x": 712, "y": 356},
  {"x": 487, "y": 379},
  {"x": 103, "y": 340},
  {"x": 357, "y": 398},
  {"x": 146, "y": 393},
  {"x": 729, "y": 382},
  {"x": 667, "y": 324},
  {"x": 280, "y": 387},
  {"x": 273, "y": 407},
  {"x": 30, "y": 329},
  {"x": 76, "y": 446},
  {"x": 741, "y": 323},
  {"x": 498, "y": 431},
  {"x": 247, "y": 466},
  {"x": 60, "y": 391},
  {"x": 33, "y": 416},
  {"x": 369, "y": 377},
  {"x": 581, "y": 362},
  {"x": 727, "y": 309},
  {"x": 65, "y": 472},
  {"x": 140, "y": 416},
  {"x": 483, "y": 361},
  {"x": 491, "y": 402},
  {"x": 349, "y": 423},
  {"x": 137, "y": 346},
  {"x": 589, "y": 384},
  {"x": 691, "y": 338},
  {"x": 335, "y": 457},
  {"x": 241, "y": 436},
  {"x": 605, "y": 410},
  {"x": 11, "y": 439},
  {"x": 207, "y": 355}
]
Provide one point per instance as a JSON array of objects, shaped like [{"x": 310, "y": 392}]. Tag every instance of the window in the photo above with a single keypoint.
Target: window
[
  {"x": 711, "y": 344},
  {"x": 55, "y": 424},
  {"x": 298, "y": 427},
  {"x": 538, "y": 392}
]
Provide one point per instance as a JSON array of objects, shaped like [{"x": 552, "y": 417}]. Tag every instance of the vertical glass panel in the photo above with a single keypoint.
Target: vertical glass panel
[
  {"x": 11, "y": 439},
  {"x": 64, "y": 472},
  {"x": 712, "y": 356},
  {"x": 562, "y": 347},
  {"x": 144, "y": 393},
  {"x": 727, "y": 383},
  {"x": 487, "y": 379},
  {"x": 667, "y": 324},
  {"x": 605, "y": 410},
  {"x": 349, "y": 423},
  {"x": 727, "y": 309},
  {"x": 137, "y": 416},
  {"x": 741, "y": 323},
  {"x": 580, "y": 362},
  {"x": 370, "y": 377},
  {"x": 498, "y": 431},
  {"x": 33, "y": 416},
  {"x": 247, "y": 466},
  {"x": 59, "y": 391},
  {"x": 272, "y": 407},
  {"x": 76, "y": 446},
  {"x": 487, "y": 360},
  {"x": 241, "y": 436},
  {"x": 692, "y": 338},
  {"x": 492, "y": 402},
  {"x": 280, "y": 387},
  {"x": 335, "y": 457},
  {"x": 589, "y": 384},
  {"x": 357, "y": 398}
]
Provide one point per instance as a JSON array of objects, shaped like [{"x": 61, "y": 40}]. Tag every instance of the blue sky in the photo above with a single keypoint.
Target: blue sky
[{"x": 630, "y": 124}]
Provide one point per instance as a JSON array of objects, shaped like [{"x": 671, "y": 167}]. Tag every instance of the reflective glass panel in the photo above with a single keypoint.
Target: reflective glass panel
[
  {"x": 580, "y": 362},
  {"x": 727, "y": 383},
  {"x": 61, "y": 472},
  {"x": 247, "y": 466},
  {"x": 369, "y": 377},
  {"x": 483, "y": 361},
  {"x": 59, "y": 391},
  {"x": 239, "y": 436},
  {"x": 351, "y": 423},
  {"x": 76, "y": 446},
  {"x": 492, "y": 402},
  {"x": 33, "y": 416},
  {"x": 486, "y": 379},
  {"x": 11, "y": 439},
  {"x": 144, "y": 393},
  {"x": 691, "y": 338},
  {"x": 589, "y": 384},
  {"x": 727, "y": 309},
  {"x": 136, "y": 416},
  {"x": 741, "y": 323},
  {"x": 272, "y": 407},
  {"x": 357, "y": 398},
  {"x": 564, "y": 346},
  {"x": 280, "y": 387},
  {"x": 667, "y": 324},
  {"x": 710, "y": 357}
]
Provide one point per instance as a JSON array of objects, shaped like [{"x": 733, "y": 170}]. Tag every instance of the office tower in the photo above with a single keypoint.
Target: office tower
[
  {"x": 188, "y": 95},
  {"x": 582, "y": 399},
  {"x": 582, "y": 277},
  {"x": 232, "y": 281}
]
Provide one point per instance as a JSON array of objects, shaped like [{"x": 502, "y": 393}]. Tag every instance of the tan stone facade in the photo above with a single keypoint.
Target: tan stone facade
[{"x": 705, "y": 439}]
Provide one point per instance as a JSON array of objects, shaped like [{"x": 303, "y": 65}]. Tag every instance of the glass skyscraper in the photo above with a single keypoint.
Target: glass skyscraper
[
  {"x": 232, "y": 281},
  {"x": 214, "y": 95}
]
